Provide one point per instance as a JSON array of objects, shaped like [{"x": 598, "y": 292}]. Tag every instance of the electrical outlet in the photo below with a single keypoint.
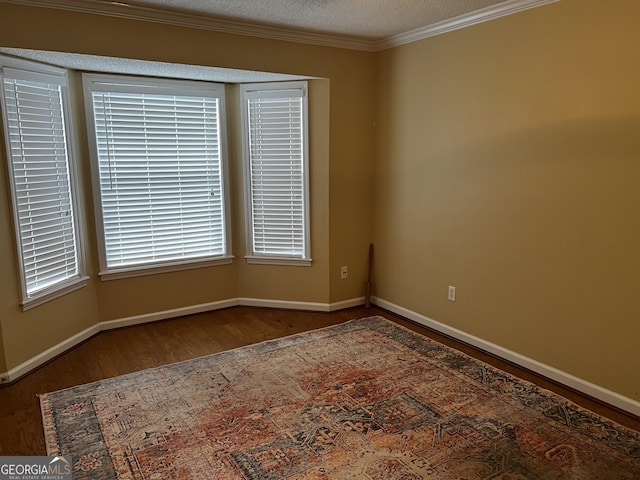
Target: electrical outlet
[
  {"x": 344, "y": 272},
  {"x": 452, "y": 293}
]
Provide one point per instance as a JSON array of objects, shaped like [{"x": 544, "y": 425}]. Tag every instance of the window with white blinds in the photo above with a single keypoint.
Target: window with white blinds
[
  {"x": 158, "y": 165},
  {"x": 276, "y": 172},
  {"x": 42, "y": 179}
]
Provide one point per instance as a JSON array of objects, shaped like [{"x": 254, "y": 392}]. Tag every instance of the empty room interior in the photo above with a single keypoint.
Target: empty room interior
[{"x": 494, "y": 167}]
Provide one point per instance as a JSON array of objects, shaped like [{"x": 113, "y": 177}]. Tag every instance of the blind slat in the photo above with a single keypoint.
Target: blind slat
[
  {"x": 41, "y": 178},
  {"x": 276, "y": 169},
  {"x": 160, "y": 173}
]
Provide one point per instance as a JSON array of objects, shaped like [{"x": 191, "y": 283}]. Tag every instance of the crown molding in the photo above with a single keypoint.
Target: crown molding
[
  {"x": 148, "y": 14},
  {"x": 456, "y": 23},
  {"x": 133, "y": 12}
]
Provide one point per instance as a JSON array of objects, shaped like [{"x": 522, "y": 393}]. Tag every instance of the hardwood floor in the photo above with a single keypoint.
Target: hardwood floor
[{"x": 125, "y": 350}]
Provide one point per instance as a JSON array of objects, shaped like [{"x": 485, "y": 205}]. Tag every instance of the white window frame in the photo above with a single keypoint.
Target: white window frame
[
  {"x": 248, "y": 92},
  {"x": 106, "y": 82},
  {"x": 76, "y": 277}
]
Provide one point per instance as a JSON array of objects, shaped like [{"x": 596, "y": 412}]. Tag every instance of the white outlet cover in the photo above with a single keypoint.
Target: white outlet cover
[{"x": 452, "y": 293}]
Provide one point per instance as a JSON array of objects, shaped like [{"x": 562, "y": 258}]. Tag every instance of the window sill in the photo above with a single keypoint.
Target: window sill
[
  {"x": 139, "y": 271},
  {"x": 54, "y": 292},
  {"x": 287, "y": 261}
]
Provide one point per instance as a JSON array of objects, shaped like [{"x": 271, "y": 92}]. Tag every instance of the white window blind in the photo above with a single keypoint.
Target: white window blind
[
  {"x": 276, "y": 166},
  {"x": 159, "y": 155},
  {"x": 41, "y": 179}
]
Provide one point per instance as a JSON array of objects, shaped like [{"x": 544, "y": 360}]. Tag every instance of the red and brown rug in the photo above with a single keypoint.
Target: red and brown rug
[{"x": 363, "y": 400}]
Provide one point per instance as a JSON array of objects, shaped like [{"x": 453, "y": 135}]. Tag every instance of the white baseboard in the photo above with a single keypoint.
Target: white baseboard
[
  {"x": 80, "y": 337},
  {"x": 596, "y": 391},
  {"x": 581, "y": 385},
  {"x": 286, "y": 304},
  {"x": 48, "y": 354},
  {"x": 354, "y": 302},
  {"x": 167, "y": 314},
  {"x": 309, "y": 306}
]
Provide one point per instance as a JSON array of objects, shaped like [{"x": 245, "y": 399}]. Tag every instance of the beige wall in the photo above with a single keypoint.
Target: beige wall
[
  {"x": 30, "y": 333},
  {"x": 501, "y": 158},
  {"x": 508, "y": 166},
  {"x": 341, "y": 157},
  {"x": 286, "y": 282}
]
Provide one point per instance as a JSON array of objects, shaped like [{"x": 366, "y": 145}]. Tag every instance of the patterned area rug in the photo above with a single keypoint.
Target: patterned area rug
[{"x": 363, "y": 400}]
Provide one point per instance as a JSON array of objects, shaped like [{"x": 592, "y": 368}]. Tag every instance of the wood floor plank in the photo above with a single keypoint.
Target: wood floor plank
[{"x": 125, "y": 350}]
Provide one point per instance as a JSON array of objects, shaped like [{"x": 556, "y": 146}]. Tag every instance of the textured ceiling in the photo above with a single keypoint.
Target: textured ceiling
[
  {"x": 366, "y": 19},
  {"x": 370, "y": 25}
]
